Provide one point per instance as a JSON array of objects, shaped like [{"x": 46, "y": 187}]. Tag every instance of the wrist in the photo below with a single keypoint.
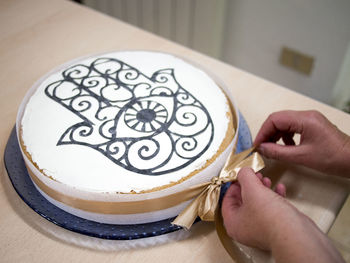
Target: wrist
[
  {"x": 288, "y": 221},
  {"x": 273, "y": 219},
  {"x": 298, "y": 239},
  {"x": 340, "y": 163}
]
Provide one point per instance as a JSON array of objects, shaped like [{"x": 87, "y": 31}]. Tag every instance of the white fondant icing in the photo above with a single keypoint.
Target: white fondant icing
[{"x": 79, "y": 166}]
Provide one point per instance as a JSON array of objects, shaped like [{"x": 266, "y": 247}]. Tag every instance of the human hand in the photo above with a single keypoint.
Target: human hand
[
  {"x": 256, "y": 216},
  {"x": 249, "y": 209},
  {"x": 322, "y": 145}
]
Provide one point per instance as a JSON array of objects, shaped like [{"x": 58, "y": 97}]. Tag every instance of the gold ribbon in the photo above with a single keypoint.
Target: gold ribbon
[
  {"x": 118, "y": 208},
  {"x": 205, "y": 204},
  {"x": 206, "y": 194}
]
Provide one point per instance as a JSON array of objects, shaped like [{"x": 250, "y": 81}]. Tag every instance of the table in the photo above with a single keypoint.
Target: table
[{"x": 38, "y": 35}]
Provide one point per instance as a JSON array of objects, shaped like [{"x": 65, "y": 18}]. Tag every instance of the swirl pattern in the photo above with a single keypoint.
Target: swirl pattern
[{"x": 148, "y": 125}]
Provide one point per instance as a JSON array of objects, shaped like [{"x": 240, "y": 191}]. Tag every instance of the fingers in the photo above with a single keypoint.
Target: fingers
[
  {"x": 267, "y": 182},
  {"x": 288, "y": 153},
  {"x": 249, "y": 182},
  {"x": 288, "y": 139},
  {"x": 281, "y": 190},
  {"x": 231, "y": 202},
  {"x": 277, "y": 125},
  {"x": 259, "y": 175},
  {"x": 233, "y": 195},
  {"x": 247, "y": 177}
]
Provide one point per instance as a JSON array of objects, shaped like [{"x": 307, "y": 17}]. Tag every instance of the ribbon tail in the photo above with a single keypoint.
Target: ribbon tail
[
  {"x": 187, "y": 217},
  {"x": 243, "y": 159},
  {"x": 209, "y": 203},
  {"x": 254, "y": 161}
]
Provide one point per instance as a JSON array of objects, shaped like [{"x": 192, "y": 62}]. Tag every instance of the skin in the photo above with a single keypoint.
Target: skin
[
  {"x": 256, "y": 216},
  {"x": 322, "y": 145}
]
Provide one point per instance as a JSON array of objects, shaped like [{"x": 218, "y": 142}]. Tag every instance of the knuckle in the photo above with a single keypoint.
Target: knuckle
[
  {"x": 273, "y": 116},
  {"x": 315, "y": 115},
  {"x": 316, "y": 118},
  {"x": 274, "y": 154},
  {"x": 243, "y": 172}
]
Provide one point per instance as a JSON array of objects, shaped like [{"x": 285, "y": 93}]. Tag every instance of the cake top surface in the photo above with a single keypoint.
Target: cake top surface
[{"x": 124, "y": 121}]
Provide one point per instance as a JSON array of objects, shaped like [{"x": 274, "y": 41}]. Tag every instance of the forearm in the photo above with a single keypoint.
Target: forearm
[{"x": 298, "y": 239}]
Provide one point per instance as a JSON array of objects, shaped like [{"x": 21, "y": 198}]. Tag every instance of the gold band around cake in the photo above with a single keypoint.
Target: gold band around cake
[
  {"x": 148, "y": 205},
  {"x": 117, "y": 208}
]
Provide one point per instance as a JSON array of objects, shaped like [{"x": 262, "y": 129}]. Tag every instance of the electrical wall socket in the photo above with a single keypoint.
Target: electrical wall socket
[{"x": 296, "y": 60}]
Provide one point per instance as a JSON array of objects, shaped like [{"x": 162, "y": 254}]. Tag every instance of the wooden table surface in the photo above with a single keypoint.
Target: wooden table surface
[{"x": 37, "y": 36}]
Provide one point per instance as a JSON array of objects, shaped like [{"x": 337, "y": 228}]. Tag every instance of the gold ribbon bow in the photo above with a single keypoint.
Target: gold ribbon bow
[{"x": 205, "y": 204}]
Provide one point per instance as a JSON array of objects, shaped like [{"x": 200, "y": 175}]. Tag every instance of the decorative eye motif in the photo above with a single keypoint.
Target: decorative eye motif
[
  {"x": 145, "y": 116},
  {"x": 149, "y": 125}
]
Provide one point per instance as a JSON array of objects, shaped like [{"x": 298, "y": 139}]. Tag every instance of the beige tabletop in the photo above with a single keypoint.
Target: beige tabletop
[{"x": 37, "y": 36}]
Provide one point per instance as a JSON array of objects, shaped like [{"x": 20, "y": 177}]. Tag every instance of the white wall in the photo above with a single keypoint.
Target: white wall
[
  {"x": 197, "y": 24},
  {"x": 342, "y": 86},
  {"x": 256, "y": 30}
]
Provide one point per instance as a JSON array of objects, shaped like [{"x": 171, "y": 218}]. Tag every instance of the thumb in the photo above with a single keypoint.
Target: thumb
[
  {"x": 231, "y": 202},
  {"x": 248, "y": 181},
  {"x": 288, "y": 153}
]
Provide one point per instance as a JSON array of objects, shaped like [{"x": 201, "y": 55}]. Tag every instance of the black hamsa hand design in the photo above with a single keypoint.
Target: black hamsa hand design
[{"x": 149, "y": 125}]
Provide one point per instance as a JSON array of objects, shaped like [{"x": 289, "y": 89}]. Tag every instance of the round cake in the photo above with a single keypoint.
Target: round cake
[{"x": 117, "y": 137}]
